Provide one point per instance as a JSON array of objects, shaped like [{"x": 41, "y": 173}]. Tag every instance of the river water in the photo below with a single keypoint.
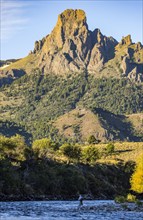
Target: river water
[{"x": 69, "y": 210}]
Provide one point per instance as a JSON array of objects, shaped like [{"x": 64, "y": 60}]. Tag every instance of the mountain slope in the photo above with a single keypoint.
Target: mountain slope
[
  {"x": 36, "y": 102},
  {"x": 80, "y": 124}
]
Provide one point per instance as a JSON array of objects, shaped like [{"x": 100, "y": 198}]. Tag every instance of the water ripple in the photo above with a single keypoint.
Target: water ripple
[{"x": 68, "y": 210}]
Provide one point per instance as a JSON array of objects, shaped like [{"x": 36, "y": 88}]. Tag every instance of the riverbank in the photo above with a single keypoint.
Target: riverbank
[
  {"x": 16, "y": 198},
  {"x": 49, "y": 180}
]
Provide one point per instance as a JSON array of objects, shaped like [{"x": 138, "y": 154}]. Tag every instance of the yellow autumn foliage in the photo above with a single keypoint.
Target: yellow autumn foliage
[{"x": 137, "y": 177}]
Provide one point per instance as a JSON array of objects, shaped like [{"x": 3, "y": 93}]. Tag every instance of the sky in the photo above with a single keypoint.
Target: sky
[{"x": 22, "y": 22}]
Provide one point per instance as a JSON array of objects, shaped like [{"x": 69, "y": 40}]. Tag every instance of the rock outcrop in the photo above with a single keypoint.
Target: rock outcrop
[
  {"x": 126, "y": 40},
  {"x": 72, "y": 48},
  {"x": 130, "y": 56},
  {"x": 8, "y": 76}
]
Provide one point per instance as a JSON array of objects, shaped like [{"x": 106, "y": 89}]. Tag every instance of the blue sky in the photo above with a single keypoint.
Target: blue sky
[{"x": 25, "y": 21}]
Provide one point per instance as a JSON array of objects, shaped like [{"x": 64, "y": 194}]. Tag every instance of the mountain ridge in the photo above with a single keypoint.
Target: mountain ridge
[{"x": 72, "y": 48}]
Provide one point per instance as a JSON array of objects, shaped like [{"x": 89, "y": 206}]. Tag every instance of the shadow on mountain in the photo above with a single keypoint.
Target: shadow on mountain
[
  {"x": 10, "y": 75},
  {"x": 117, "y": 125},
  {"x": 9, "y": 129}
]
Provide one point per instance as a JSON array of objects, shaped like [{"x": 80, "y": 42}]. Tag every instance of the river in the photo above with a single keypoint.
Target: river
[{"x": 69, "y": 210}]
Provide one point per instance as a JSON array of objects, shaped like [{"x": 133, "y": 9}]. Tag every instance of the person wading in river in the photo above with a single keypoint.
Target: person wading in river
[{"x": 80, "y": 199}]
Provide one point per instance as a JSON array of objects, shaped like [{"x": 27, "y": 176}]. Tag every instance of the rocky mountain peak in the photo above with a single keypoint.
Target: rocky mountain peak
[
  {"x": 72, "y": 48},
  {"x": 72, "y": 16},
  {"x": 126, "y": 40},
  {"x": 70, "y": 24}
]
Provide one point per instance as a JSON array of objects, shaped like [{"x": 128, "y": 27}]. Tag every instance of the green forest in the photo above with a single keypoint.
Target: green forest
[{"x": 34, "y": 101}]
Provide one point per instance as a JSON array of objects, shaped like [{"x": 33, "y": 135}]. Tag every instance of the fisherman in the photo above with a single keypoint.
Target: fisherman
[{"x": 80, "y": 199}]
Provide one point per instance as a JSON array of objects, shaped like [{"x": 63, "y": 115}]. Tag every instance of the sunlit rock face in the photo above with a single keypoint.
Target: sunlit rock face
[{"x": 72, "y": 47}]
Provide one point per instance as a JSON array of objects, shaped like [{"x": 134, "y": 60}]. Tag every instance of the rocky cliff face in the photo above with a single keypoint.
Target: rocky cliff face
[
  {"x": 131, "y": 59},
  {"x": 72, "y": 48}
]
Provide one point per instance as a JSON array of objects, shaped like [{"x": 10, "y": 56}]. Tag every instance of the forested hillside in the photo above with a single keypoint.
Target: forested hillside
[{"x": 36, "y": 101}]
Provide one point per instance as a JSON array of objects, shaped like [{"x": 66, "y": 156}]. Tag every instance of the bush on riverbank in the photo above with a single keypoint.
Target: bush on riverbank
[{"x": 128, "y": 199}]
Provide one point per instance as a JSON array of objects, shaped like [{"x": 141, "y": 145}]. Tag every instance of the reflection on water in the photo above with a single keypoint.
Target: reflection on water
[{"x": 67, "y": 210}]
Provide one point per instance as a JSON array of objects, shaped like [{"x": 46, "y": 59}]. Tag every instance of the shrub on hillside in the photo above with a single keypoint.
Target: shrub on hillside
[
  {"x": 71, "y": 151},
  {"x": 110, "y": 148},
  {"x": 12, "y": 148},
  {"x": 90, "y": 154},
  {"x": 92, "y": 140},
  {"x": 43, "y": 147}
]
